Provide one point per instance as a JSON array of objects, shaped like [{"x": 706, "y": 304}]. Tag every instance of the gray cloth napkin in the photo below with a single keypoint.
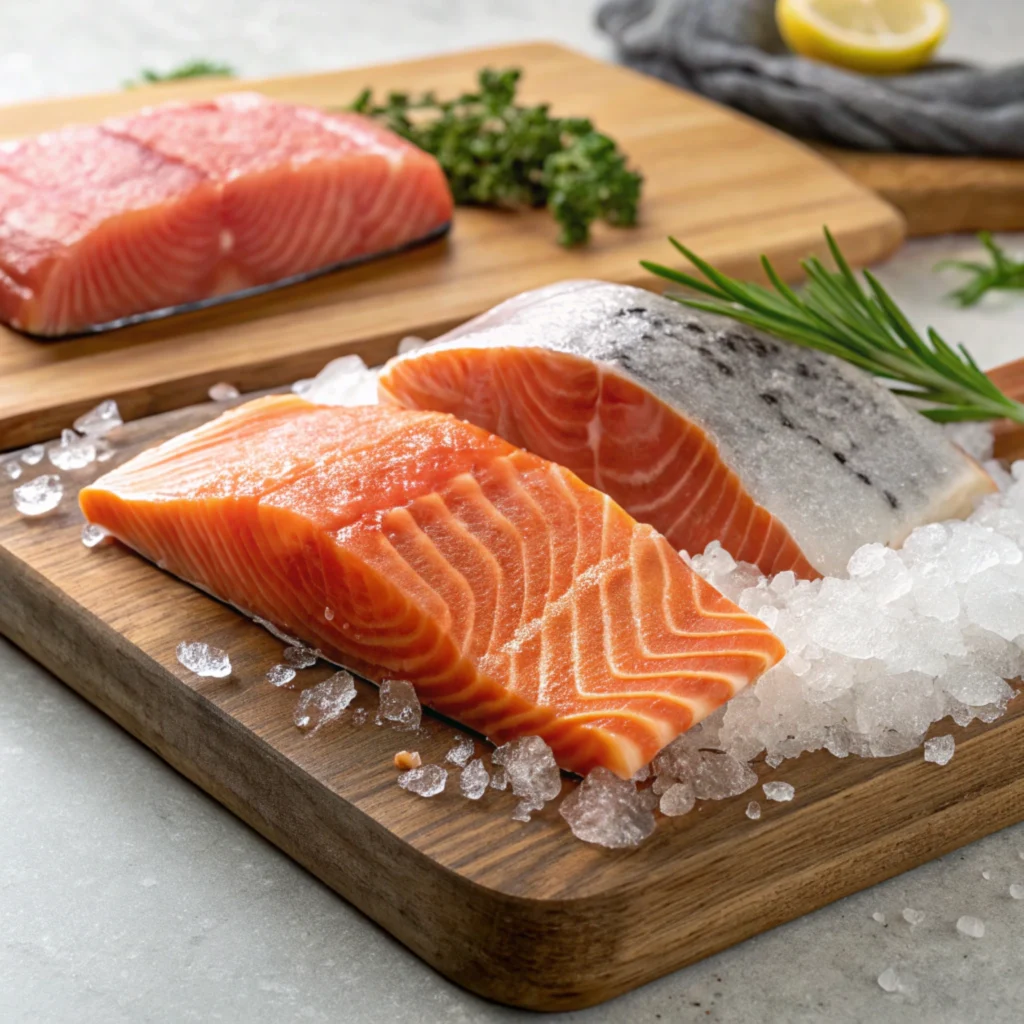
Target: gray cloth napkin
[{"x": 731, "y": 51}]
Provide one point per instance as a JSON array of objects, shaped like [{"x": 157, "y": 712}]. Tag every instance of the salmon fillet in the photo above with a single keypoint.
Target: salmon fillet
[
  {"x": 186, "y": 202},
  {"x": 704, "y": 428},
  {"x": 514, "y": 597}
]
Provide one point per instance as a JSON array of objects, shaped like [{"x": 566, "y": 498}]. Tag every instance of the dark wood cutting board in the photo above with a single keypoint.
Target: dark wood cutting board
[{"x": 524, "y": 914}]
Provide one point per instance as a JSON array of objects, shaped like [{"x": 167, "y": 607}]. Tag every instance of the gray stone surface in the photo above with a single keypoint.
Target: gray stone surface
[{"x": 127, "y": 895}]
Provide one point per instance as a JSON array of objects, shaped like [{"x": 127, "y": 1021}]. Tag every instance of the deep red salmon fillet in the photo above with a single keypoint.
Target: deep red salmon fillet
[
  {"x": 515, "y": 598},
  {"x": 186, "y": 202}
]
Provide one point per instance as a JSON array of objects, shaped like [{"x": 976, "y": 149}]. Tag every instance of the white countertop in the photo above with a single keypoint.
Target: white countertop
[{"x": 128, "y": 895}]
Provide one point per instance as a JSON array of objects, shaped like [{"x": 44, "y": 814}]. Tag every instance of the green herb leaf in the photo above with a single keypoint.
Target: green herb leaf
[
  {"x": 835, "y": 313},
  {"x": 191, "y": 69},
  {"x": 1004, "y": 273},
  {"x": 497, "y": 153}
]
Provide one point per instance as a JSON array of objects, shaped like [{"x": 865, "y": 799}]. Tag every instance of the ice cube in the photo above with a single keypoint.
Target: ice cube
[
  {"x": 325, "y": 702},
  {"x": 606, "y": 810},
  {"x": 39, "y": 495},
  {"x": 100, "y": 421},
  {"x": 753, "y": 811},
  {"x": 11, "y": 468},
  {"x": 473, "y": 780},
  {"x": 426, "y": 781},
  {"x": 499, "y": 780},
  {"x": 92, "y": 535},
  {"x": 204, "y": 660},
  {"x": 280, "y": 675},
  {"x": 462, "y": 750},
  {"x": 34, "y": 455},
  {"x": 531, "y": 770},
  {"x": 970, "y": 926},
  {"x": 913, "y": 917},
  {"x": 720, "y": 775},
  {"x": 72, "y": 451},
  {"x": 399, "y": 705},
  {"x": 410, "y": 344},
  {"x": 301, "y": 657},
  {"x": 780, "y": 792},
  {"x": 1017, "y": 891},
  {"x": 223, "y": 392},
  {"x": 939, "y": 749},
  {"x": 678, "y": 799}
]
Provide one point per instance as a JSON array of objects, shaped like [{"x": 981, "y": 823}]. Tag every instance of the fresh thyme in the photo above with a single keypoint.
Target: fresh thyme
[
  {"x": 1003, "y": 274},
  {"x": 495, "y": 152},
  {"x": 191, "y": 69},
  {"x": 834, "y": 313}
]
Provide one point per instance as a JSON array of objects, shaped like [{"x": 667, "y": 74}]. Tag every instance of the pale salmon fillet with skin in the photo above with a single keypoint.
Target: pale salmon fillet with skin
[
  {"x": 190, "y": 201},
  {"x": 704, "y": 428},
  {"x": 411, "y": 545}
]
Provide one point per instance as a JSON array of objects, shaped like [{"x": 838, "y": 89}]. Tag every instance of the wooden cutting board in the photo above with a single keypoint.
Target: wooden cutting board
[
  {"x": 941, "y": 195},
  {"x": 727, "y": 185},
  {"x": 524, "y": 914}
]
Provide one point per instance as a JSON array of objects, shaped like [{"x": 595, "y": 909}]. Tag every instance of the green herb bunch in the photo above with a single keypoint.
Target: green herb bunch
[
  {"x": 498, "y": 153},
  {"x": 191, "y": 69},
  {"x": 1003, "y": 274}
]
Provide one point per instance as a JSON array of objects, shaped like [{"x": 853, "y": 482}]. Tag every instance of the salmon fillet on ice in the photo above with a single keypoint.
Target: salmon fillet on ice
[
  {"x": 185, "y": 202},
  {"x": 702, "y": 427},
  {"x": 411, "y": 545}
]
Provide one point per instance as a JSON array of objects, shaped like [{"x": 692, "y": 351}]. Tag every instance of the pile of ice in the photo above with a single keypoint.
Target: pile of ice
[{"x": 343, "y": 381}]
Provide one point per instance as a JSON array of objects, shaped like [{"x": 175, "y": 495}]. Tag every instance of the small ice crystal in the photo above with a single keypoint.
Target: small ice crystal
[
  {"x": 939, "y": 749},
  {"x": 721, "y": 775},
  {"x": 100, "y": 421},
  {"x": 913, "y": 917},
  {"x": 426, "y": 781},
  {"x": 359, "y": 716},
  {"x": 38, "y": 496},
  {"x": 531, "y": 770},
  {"x": 12, "y": 469},
  {"x": 972, "y": 927},
  {"x": 223, "y": 392},
  {"x": 462, "y": 750},
  {"x": 400, "y": 705},
  {"x": 280, "y": 675},
  {"x": 343, "y": 381},
  {"x": 204, "y": 660},
  {"x": 608, "y": 811},
  {"x": 987, "y": 875},
  {"x": 473, "y": 780},
  {"x": 300, "y": 657},
  {"x": 324, "y": 702},
  {"x": 499, "y": 780},
  {"x": 410, "y": 344},
  {"x": 677, "y": 800},
  {"x": 1017, "y": 891},
  {"x": 72, "y": 451},
  {"x": 753, "y": 810},
  {"x": 34, "y": 455},
  {"x": 780, "y": 792},
  {"x": 92, "y": 535},
  {"x": 879, "y": 917},
  {"x": 522, "y": 811},
  {"x": 891, "y": 980}
]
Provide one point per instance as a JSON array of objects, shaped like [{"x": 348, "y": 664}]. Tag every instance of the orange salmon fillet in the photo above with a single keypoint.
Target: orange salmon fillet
[
  {"x": 186, "y": 202},
  {"x": 516, "y": 599}
]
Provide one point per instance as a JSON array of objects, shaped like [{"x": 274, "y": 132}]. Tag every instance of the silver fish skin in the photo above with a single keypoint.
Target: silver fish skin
[{"x": 824, "y": 447}]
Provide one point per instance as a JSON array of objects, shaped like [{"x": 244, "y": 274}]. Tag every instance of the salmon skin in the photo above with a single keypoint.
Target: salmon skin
[
  {"x": 187, "y": 204},
  {"x": 412, "y": 545},
  {"x": 702, "y": 427}
]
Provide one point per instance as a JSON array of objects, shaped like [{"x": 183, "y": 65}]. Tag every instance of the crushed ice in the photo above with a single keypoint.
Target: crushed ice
[
  {"x": 72, "y": 451},
  {"x": 939, "y": 749},
  {"x": 204, "y": 660},
  {"x": 531, "y": 770},
  {"x": 324, "y": 702},
  {"x": 100, "y": 421},
  {"x": 913, "y": 917},
  {"x": 343, "y": 381},
  {"x": 93, "y": 535},
  {"x": 1017, "y": 891},
  {"x": 223, "y": 392},
  {"x": 473, "y": 780},
  {"x": 11, "y": 468},
  {"x": 399, "y": 705},
  {"x": 970, "y": 926},
  {"x": 462, "y": 750},
  {"x": 426, "y": 781},
  {"x": 34, "y": 455},
  {"x": 608, "y": 811},
  {"x": 280, "y": 675},
  {"x": 300, "y": 657},
  {"x": 39, "y": 495},
  {"x": 780, "y": 792}
]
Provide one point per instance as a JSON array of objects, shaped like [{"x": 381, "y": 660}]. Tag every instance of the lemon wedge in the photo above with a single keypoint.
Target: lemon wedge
[{"x": 874, "y": 36}]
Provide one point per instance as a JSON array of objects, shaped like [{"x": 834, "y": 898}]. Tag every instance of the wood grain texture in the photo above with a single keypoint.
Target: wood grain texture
[
  {"x": 732, "y": 188},
  {"x": 524, "y": 914},
  {"x": 941, "y": 195}
]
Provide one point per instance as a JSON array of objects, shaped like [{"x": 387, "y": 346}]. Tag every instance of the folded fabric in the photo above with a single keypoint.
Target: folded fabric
[{"x": 731, "y": 51}]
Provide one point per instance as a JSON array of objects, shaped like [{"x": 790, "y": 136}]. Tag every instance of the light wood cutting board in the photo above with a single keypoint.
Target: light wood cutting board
[
  {"x": 727, "y": 185},
  {"x": 524, "y": 914}
]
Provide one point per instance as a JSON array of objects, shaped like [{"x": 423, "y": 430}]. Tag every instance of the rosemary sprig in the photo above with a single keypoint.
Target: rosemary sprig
[
  {"x": 1003, "y": 274},
  {"x": 190, "y": 69},
  {"x": 834, "y": 313}
]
